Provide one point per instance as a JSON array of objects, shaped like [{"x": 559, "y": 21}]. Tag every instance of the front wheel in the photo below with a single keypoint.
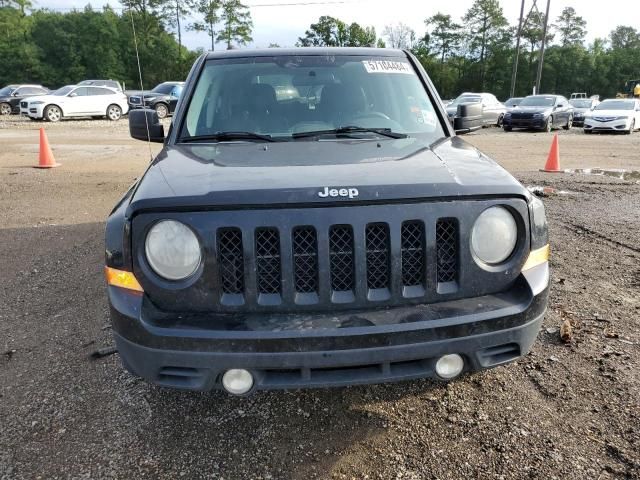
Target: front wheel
[
  {"x": 569, "y": 123},
  {"x": 548, "y": 127},
  {"x": 162, "y": 110},
  {"x": 632, "y": 127},
  {"x": 507, "y": 129},
  {"x": 52, "y": 113},
  {"x": 500, "y": 120},
  {"x": 114, "y": 112},
  {"x": 5, "y": 109}
]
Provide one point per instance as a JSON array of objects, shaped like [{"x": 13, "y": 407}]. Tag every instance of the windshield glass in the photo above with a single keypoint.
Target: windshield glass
[
  {"x": 63, "y": 91},
  {"x": 616, "y": 105},
  {"x": 581, "y": 103},
  {"x": 163, "y": 88},
  {"x": 285, "y": 96},
  {"x": 466, "y": 99},
  {"x": 513, "y": 102},
  {"x": 6, "y": 91},
  {"x": 538, "y": 102}
]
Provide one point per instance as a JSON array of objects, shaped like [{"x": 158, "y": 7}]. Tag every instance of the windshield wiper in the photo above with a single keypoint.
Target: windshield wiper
[
  {"x": 385, "y": 132},
  {"x": 225, "y": 136}
]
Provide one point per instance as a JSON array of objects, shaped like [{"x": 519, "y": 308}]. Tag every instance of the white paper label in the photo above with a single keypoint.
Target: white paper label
[{"x": 387, "y": 66}]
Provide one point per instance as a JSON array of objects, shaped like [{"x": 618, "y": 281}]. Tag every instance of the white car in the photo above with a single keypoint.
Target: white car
[
  {"x": 614, "y": 115},
  {"x": 76, "y": 101}
]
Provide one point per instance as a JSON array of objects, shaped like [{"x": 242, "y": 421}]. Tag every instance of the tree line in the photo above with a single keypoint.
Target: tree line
[
  {"x": 472, "y": 53},
  {"x": 59, "y": 48}
]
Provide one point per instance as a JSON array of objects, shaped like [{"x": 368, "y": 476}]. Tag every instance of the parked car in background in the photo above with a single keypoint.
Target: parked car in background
[
  {"x": 540, "y": 112},
  {"x": 11, "y": 95},
  {"x": 615, "y": 115},
  {"x": 163, "y": 98},
  {"x": 492, "y": 110},
  {"x": 76, "y": 101},
  {"x": 513, "y": 102},
  {"x": 102, "y": 83},
  {"x": 581, "y": 107}
]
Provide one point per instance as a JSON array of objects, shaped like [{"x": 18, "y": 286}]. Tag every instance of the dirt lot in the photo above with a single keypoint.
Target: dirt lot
[{"x": 565, "y": 411}]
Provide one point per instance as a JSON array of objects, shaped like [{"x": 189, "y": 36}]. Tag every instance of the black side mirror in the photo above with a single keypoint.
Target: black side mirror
[
  {"x": 144, "y": 124},
  {"x": 468, "y": 118}
]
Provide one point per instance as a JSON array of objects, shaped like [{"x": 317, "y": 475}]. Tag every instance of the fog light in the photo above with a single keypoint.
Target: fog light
[
  {"x": 237, "y": 381},
  {"x": 449, "y": 366}
]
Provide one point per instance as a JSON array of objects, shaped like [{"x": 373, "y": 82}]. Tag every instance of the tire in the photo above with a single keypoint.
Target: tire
[
  {"x": 97, "y": 117},
  {"x": 33, "y": 119},
  {"x": 162, "y": 110},
  {"x": 52, "y": 113},
  {"x": 632, "y": 127},
  {"x": 548, "y": 127},
  {"x": 569, "y": 123},
  {"x": 588, "y": 132},
  {"x": 5, "y": 109},
  {"x": 507, "y": 129},
  {"x": 114, "y": 112},
  {"x": 500, "y": 120}
]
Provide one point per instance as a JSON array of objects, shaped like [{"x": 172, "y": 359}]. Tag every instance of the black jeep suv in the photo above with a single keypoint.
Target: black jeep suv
[
  {"x": 313, "y": 220},
  {"x": 11, "y": 95}
]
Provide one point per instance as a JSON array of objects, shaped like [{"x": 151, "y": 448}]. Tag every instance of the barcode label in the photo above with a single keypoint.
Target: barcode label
[{"x": 387, "y": 66}]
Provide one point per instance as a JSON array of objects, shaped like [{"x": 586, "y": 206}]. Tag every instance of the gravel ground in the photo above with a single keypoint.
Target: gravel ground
[{"x": 566, "y": 411}]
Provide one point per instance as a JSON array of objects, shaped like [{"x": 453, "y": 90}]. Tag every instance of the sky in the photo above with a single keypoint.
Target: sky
[{"x": 283, "y": 24}]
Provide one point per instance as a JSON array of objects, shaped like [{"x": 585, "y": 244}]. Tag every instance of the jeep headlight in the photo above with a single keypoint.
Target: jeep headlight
[
  {"x": 172, "y": 250},
  {"x": 494, "y": 236}
]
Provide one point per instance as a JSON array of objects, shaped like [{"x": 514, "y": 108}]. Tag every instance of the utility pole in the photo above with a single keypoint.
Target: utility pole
[
  {"x": 514, "y": 73},
  {"x": 542, "y": 45}
]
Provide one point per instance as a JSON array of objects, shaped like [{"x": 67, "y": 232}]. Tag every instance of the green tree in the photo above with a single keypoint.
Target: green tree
[
  {"x": 487, "y": 30},
  {"x": 571, "y": 27},
  {"x": 209, "y": 11},
  {"x": 332, "y": 32},
  {"x": 399, "y": 36},
  {"x": 236, "y": 24},
  {"x": 623, "y": 37}
]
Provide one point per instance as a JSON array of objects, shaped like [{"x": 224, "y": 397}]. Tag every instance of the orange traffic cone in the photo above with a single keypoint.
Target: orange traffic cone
[
  {"x": 46, "y": 155},
  {"x": 553, "y": 160}
]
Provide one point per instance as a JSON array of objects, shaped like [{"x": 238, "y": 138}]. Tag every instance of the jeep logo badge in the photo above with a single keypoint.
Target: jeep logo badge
[{"x": 339, "y": 192}]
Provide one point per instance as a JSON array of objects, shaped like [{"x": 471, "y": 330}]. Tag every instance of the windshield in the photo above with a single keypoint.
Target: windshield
[
  {"x": 466, "y": 99},
  {"x": 63, "y": 91},
  {"x": 581, "y": 103},
  {"x": 6, "y": 91},
  {"x": 538, "y": 102},
  {"x": 163, "y": 88},
  {"x": 513, "y": 102},
  {"x": 616, "y": 105},
  {"x": 286, "y": 96}
]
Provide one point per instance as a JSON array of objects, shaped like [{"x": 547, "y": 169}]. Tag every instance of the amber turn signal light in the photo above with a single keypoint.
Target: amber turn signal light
[
  {"x": 537, "y": 257},
  {"x": 122, "y": 279}
]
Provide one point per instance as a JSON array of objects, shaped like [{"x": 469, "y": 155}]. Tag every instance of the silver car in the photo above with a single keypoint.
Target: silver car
[{"x": 492, "y": 110}]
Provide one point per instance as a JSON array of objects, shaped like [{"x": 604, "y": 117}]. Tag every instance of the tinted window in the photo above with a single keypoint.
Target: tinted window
[
  {"x": 616, "y": 105},
  {"x": 6, "y": 91},
  {"x": 100, "y": 91},
  {"x": 580, "y": 103},
  {"x": 316, "y": 93},
  {"x": 163, "y": 88},
  {"x": 538, "y": 101},
  {"x": 63, "y": 91}
]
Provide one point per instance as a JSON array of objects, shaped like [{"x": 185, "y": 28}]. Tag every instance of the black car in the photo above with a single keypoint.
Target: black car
[
  {"x": 163, "y": 98},
  {"x": 540, "y": 112},
  {"x": 11, "y": 95},
  {"x": 342, "y": 236}
]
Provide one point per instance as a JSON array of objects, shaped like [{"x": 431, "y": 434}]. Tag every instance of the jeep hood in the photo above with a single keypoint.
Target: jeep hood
[{"x": 201, "y": 176}]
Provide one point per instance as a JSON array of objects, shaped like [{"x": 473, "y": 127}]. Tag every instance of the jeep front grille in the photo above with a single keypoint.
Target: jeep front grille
[
  {"x": 268, "y": 261},
  {"x": 298, "y": 262},
  {"x": 447, "y": 250}
]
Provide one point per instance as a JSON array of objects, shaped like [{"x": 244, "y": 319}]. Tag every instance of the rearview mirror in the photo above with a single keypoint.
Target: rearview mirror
[
  {"x": 145, "y": 125},
  {"x": 468, "y": 118}
]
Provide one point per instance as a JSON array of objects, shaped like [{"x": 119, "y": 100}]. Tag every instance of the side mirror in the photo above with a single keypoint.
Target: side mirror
[
  {"x": 73, "y": 94},
  {"x": 140, "y": 120},
  {"x": 15, "y": 93},
  {"x": 468, "y": 118},
  {"x": 560, "y": 106}
]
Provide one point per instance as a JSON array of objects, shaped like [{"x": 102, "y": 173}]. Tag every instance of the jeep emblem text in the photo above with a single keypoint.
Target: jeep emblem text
[{"x": 342, "y": 192}]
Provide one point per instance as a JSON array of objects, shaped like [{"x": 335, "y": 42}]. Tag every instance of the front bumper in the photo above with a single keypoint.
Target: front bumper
[
  {"x": 33, "y": 111},
  {"x": 610, "y": 126},
  {"x": 537, "y": 123},
  {"x": 294, "y": 351}
]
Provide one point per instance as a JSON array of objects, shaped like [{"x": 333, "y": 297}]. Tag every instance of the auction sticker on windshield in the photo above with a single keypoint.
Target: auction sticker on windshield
[{"x": 387, "y": 66}]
